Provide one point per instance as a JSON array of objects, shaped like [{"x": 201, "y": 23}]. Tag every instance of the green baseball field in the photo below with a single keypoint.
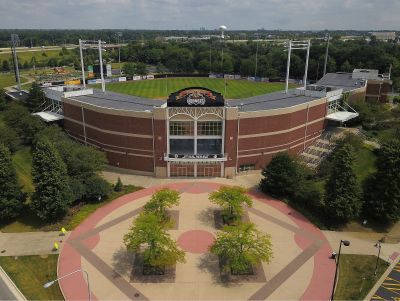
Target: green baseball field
[{"x": 161, "y": 88}]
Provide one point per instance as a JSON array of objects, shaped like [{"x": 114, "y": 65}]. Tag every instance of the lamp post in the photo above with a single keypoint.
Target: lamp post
[
  {"x": 377, "y": 245},
  {"x": 50, "y": 283},
  {"x": 345, "y": 243}
]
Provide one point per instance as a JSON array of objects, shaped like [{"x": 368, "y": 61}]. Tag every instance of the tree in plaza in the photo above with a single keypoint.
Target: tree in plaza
[
  {"x": 382, "y": 189},
  {"x": 11, "y": 197},
  {"x": 118, "y": 186},
  {"x": 342, "y": 193},
  {"x": 231, "y": 199},
  {"x": 160, "y": 201},
  {"x": 149, "y": 237},
  {"x": 36, "y": 98},
  {"x": 282, "y": 176},
  {"x": 52, "y": 192},
  {"x": 242, "y": 246}
]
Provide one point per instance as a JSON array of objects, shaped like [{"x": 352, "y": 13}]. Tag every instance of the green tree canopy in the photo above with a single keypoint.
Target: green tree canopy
[
  {"x": 382, "y": 189},
  {"x": 148, "y": 236},
  {"x": 36, "y": 98},
  {"x": 242, "y": 246},
  {"x": 118, "y": 186},
  {"x": 161, "y": 200},
  {"x": 342, "y": 193},
  {"x": 282, "y": 176},
  {"x": 11, "y": 197},
  {"x": 52, "y": 192},
  {"x": 231, "y": 199}
]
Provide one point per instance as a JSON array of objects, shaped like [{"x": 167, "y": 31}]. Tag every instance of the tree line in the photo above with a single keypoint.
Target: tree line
[
  {"x": 64, "y": 172},
  {"x": 343, "y": 198}
]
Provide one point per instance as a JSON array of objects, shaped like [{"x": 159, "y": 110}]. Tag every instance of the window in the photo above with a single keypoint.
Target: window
[
  {"x": 209, "y": 146},
  {"x": 181, "y": 128},
  {"x": 209, "y": 128},
  {"x": 181, "y": 146},
  {"x": 247, "y": 167}
]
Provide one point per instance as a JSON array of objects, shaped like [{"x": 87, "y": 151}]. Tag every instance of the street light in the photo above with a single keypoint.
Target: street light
[
  {"x": 345, "y": 243},
  {"x": 50, "y": 283},
  {"x": 377, "y": 245}
]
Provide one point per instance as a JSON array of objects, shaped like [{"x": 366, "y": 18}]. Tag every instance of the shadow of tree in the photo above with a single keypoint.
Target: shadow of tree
[
  {"x": 122, "y": 262},
  {"x": 206, "y": 217}
]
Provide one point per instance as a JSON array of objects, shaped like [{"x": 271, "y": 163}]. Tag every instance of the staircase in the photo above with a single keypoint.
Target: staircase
[{"x": 313, "y": 155}]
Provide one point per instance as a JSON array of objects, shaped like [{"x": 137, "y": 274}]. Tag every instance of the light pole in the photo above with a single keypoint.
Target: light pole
[
  {"x": 327, "y": 53},
  {"x": 346, "y": 243},
  {"x": 82, "y": 64},
  {"x": 50, "y": 283},
  {"x": 103, "y": 84},
  {"x": 377, "y": 245},
  {"x": 255, "y": 71}
]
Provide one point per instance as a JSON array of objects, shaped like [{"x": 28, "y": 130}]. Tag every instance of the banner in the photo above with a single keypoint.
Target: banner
[
  {"x": 122, "y": 79},
  {"x": 90, "y": 72}
]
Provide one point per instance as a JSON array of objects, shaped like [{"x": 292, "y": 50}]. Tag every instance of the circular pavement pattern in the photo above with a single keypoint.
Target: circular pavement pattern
[
  {"x": 301, "y": 268},
  {"x": 196, "y": 241}
]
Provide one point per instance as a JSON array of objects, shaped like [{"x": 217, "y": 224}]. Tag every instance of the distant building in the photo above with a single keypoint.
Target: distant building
[
  {"x": 384, "y": 35},
  {"x": 378, "y": 85}
]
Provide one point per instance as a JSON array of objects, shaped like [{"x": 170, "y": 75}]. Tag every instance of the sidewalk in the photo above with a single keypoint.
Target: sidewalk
[
  {"x": 29, "y": 243},
  {"x": 8, "y": 290},
  {"x": 361, "y": 243}
]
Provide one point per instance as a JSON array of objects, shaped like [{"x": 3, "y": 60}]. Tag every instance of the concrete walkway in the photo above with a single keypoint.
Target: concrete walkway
[
  {"x": 361, "y": 243},
  {"x": 29, "y": 243}
]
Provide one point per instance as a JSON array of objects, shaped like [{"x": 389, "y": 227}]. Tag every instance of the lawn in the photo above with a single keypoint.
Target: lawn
[
  {"x": 26, "y": 56},
  {"x": 29, "y": 273},
  {"x": 29, "y": 222},
  {"x": 365, "y": 163},
  {"x": 161, "y": 88},
  {"x": 356, "y": 276},
  {"x": 22, "y": 160},
  {"x": 8, "y": 79}
]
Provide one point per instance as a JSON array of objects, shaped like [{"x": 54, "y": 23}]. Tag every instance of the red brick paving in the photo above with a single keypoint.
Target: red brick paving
[
  {"x": 196, "y": 241},
  {"x": 74, "y": 287}
]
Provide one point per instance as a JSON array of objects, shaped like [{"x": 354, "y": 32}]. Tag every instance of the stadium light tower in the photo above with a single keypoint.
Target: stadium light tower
[
  {"x": 328, "y": 37},
  {"x": 222, "y": 29},
  {"x": 103, "y": 84},
  {"x": 14, "y": 43},
  {"x": 297, "y": 45},
  {"x": 82, "y": 65}
]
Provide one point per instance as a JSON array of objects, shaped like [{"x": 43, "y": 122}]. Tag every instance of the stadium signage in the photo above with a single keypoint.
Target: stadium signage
[
  {"x": 181, "y": 156},
  {"x": 195, "y": 97}
]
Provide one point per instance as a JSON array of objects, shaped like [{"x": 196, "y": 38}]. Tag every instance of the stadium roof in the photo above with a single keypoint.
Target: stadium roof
[
  {"x": 118, "y": 101},
  {"x": 341, "y": 80},
  {"x": 270, "y": 101}
]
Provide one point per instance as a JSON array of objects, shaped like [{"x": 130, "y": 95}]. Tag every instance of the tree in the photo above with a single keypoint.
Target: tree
[
  {"x": 52, "y": 192},
  {"x": 9, "y": 138},
  {"x": 35, "y": 99},
  {"x": 242, "y": 246},
  {"x": 382, "y": 189},
  {"x": 129, "y": 69},
  {"x": 231, "y": 199},
  {"x": 341, "y": 190},
  {"x": 3, "y": 99},
  {"x": 148, "y": 237},
  {"x": 96, "y": 188},
  {"x": 141, "y": 69},
  {"x": 282, "y": 176},
  {"x": 11, "y": 197},
  {"x": 118, "y": 186},
  {"x": 160, "y": 201}
]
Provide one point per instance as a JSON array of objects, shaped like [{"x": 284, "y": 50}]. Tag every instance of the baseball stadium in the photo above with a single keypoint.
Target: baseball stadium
[{"x": 196, "y": 132}]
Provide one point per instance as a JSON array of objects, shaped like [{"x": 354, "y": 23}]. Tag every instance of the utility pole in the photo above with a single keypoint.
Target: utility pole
[
  {"x": 82, "y": 64},
  {"x": 103, "y": 85},
  {"x": 14, "y": 43},
  {"x": 255, "y": 71},
  {"x": 288, "y": 67},
  {"x": 327, "y": 53}
]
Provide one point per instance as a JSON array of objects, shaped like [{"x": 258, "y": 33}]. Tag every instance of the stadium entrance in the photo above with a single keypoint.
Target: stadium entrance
[{"x": 195, "y": 133}]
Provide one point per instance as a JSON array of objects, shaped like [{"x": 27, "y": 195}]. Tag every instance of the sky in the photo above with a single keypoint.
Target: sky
[{"x": 194, "y": 14}]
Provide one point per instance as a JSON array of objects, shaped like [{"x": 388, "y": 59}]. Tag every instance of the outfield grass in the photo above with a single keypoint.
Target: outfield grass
[
  {"x": 29, "y": 273},
  {"x": 356, "y": 276},
  {"x": 8, "y": 79},
  {"x": 22, "y": 161},
  {"x": 161, "y": 88}
]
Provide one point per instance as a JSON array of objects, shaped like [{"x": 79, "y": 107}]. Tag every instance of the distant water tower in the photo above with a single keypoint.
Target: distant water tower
[{"x": 222, "y": 29}]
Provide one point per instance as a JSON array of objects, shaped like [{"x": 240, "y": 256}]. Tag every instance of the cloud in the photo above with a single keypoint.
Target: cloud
[{"x": 193, "y": 14}]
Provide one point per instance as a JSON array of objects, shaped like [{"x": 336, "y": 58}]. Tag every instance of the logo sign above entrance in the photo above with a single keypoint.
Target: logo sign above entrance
[{"x": 195, "y": 97}]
